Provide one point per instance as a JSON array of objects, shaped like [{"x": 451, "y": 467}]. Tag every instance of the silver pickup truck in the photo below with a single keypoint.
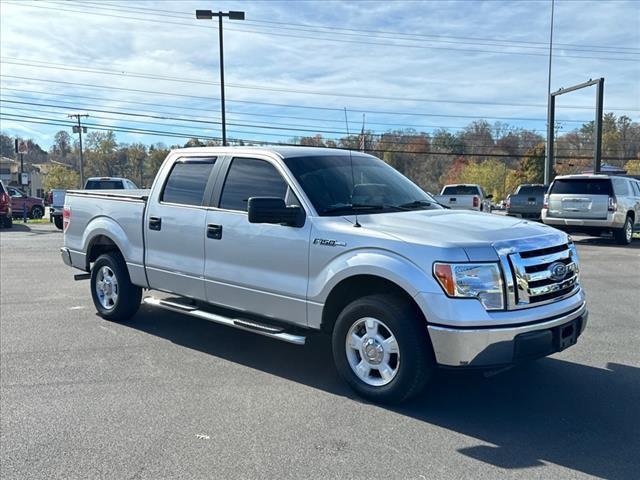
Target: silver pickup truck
[
  {"x": 465, "y": 197},
  {"x": 290, "y": 241}
]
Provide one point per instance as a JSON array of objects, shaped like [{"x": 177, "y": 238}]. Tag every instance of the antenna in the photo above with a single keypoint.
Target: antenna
[{"x": 353, "y": 177}]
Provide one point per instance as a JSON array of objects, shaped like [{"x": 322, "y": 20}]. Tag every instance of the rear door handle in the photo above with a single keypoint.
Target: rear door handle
[
  {"x": 214, "y": 231},
  {"x": 155, "y": 223}
]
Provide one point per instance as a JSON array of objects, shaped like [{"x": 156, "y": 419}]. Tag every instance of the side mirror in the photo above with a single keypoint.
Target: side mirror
[{"x": 274, "y": 210}]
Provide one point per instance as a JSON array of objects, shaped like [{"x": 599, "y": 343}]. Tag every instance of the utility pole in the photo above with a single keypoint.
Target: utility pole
[
  {"x": 208, "y": 15},
  {"x": 79, "y": 129}
]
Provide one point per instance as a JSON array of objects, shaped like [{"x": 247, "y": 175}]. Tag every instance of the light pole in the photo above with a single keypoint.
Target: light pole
[{"x": 208, "y": 15}]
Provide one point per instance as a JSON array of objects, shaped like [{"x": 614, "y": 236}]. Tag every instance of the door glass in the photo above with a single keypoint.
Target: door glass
[
  {"x": 249, "y": 177},
  {"x": 187, "y": 182}
]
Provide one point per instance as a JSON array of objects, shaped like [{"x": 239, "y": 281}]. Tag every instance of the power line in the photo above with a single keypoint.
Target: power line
[
  {"x": 199, "y": 97},
  {"x": 370, "y": 112}
]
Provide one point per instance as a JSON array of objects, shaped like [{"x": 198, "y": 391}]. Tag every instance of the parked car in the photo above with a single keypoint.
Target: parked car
[
  {"x": 6, "y": 218},
  {"x": 20, "y": 201},
  {"x": 465, "y": 197},
  {"x": 594, "y": 204},
  {"x": 281, "y": 242},
  {"x": 109, "y": 183},
  {"x": 56, "y": 202},
  {"x": 526, "y": 201}
]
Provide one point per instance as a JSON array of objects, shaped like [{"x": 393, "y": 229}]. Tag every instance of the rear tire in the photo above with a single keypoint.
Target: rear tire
[
  {"x": 58, "y": 221},
  {"x": 389, "y": 363},
  {"x": 7, "y": 222},
  {"x": 37, "y": 212},
  {"x": 624, "y": 235},
  {"x": 113, "y": 294}
]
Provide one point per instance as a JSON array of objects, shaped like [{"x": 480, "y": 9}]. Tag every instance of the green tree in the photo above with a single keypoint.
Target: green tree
[
  {"x": 633, "y": 167},
  {"x": 61, "y": 177}
]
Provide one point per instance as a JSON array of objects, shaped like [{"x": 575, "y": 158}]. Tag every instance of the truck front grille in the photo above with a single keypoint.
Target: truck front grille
[{"x": 542, "y": 276}]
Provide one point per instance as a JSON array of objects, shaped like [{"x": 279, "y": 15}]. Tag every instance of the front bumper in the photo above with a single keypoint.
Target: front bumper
[{"x": 495, "y": 346}]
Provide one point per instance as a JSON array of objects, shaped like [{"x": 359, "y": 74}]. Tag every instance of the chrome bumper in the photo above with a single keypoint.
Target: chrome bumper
[
  {"x": 66, "y": 256},
  {"x": 494, "y": 346}
]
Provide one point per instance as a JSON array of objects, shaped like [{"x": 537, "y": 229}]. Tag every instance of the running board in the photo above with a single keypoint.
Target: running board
[{"x": 241, "y": 323}]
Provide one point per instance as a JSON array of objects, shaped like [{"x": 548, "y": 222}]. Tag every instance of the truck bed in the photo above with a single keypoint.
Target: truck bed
[{"x": 118, "y": 214}]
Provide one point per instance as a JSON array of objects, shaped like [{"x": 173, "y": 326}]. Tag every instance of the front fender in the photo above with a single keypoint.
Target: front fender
[{"x": 368, "y": 261}]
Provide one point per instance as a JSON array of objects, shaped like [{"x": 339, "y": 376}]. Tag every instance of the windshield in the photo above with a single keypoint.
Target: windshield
[
  {"x": 589, "y": 186},
  {"x": 104, "y": 185},
  {"x": 372, "y": 187},
  {"x": 460, "y": 190}
]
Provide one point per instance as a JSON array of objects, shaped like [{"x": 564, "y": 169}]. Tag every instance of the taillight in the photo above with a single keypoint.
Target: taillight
[
  {"x": 476, "y": 202},
  {"x": 4, "y": 198},
  {"x": 613, "y": 204},
  {"x": 545, "y": 203},
  {"x": 66, "y": 218}
]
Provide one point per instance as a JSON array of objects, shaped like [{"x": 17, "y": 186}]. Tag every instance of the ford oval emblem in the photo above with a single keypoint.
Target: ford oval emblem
[{"x": 557, "y": 271}]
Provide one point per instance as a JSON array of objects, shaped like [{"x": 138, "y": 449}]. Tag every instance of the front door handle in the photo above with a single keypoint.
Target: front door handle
[
  {"x": 214, "y": 231},
  {"x": 155, "y": 223}
]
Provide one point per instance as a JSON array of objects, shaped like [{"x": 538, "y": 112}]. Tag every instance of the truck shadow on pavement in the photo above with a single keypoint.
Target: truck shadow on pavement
[{"x": 551, "y": 411}]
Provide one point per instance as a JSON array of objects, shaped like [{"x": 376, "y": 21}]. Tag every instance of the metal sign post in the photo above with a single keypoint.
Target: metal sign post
[{"x": 551, "y": 119}]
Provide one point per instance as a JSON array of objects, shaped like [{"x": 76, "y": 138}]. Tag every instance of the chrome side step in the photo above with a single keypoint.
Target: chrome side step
[{"x": 241, "y": 323}]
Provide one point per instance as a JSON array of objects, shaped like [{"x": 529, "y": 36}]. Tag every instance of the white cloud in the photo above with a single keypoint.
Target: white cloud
[{"x": 102, "y": 40}]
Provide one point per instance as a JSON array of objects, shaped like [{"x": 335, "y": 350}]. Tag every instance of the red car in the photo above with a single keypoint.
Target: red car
[
  {"x": 6, "y": 219},
  {"x": 19, "y": 199}
]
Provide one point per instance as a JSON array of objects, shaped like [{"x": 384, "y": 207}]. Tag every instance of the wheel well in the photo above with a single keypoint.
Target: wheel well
[
  {"x": 99, "y": 245},
  {"x": 356, "y": 287}
]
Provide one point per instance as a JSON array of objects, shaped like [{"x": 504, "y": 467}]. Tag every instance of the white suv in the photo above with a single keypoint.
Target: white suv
[{"x": 594, "y": 204}]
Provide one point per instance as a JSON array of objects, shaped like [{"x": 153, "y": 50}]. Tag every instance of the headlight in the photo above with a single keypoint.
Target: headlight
[{"x": 472, "y": 280}]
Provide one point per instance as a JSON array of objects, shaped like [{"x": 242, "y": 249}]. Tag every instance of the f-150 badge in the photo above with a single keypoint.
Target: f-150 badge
[{"x": 329, "y": 243}]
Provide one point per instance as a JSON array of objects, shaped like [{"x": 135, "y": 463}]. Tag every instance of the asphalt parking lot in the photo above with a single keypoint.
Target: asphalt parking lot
[{"x": 166, "y": 396}]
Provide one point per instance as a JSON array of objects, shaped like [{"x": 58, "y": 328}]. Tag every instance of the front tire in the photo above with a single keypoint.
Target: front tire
[
  {"x": 382, "y": 349},
  {"x": 113, "y": 294},
  {"x": 624, "y": 235}
]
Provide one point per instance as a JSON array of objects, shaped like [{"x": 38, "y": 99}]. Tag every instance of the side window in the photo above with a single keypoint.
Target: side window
[
  {"x": 187, "y": 181},
  {"x": 620, "y": 186},
  {"x": 249, "y": 177}
]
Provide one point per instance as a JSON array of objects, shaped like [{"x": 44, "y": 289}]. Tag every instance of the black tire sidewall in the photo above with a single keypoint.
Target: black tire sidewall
[
  {"x": 128, "y": 294},
  {"x": 621, "y": 234},
  {"x": 35, "y": 209},
  {"x": 57, "y": 220},
  {"x": 416, "y": 354}
]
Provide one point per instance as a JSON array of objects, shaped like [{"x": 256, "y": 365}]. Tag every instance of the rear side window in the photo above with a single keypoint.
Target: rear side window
[
  {"x": 187, "y": 182},
  {"x": 620, "y": 186},
  {"x": 249, "y": 177},
  {"x": 460, "y": 190},
  {"x": 575, "y": 186}
]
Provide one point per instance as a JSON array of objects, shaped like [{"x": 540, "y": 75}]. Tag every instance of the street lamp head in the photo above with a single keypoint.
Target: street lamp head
[
  {"x": 204, "y": 14},
  {"x": 236, "y": 15}
]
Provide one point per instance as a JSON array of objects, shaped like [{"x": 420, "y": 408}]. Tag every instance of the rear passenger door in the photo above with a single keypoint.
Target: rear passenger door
[
  {"x": 175, "y": 227},
  {"x": 258, "y": 268}
]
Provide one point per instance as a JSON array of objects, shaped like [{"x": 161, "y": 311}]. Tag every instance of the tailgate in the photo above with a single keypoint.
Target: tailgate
[
  {"x": 592, "y": 207},
  {"x": 455, "y": 201},
  {"x": 580, "y": 198}
]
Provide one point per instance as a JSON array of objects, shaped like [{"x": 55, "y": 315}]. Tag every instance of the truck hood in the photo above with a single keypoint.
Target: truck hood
[{"x": 454, "y": 228}]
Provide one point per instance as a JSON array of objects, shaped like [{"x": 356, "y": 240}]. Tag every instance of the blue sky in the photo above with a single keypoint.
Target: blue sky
[{"x": 424, "y": 64}]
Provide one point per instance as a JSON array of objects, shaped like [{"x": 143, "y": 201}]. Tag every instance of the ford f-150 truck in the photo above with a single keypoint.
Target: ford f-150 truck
[
  {"x": 289, "y": 241},
  {"x": 465, "y": 197}
]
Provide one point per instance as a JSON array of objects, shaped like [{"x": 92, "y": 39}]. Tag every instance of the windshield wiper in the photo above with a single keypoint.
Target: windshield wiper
[
  {"x": 415, "y": 204},
  {"x": 360, "y": 208}
]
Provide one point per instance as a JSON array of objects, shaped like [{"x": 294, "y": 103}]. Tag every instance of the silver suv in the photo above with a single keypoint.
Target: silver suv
[{"x": 594, "y": 204}]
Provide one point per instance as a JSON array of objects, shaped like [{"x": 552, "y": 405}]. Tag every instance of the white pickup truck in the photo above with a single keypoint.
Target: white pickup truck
[
  {"x": 290, "y": 241},
  {"x": 465, "y": 197}
]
